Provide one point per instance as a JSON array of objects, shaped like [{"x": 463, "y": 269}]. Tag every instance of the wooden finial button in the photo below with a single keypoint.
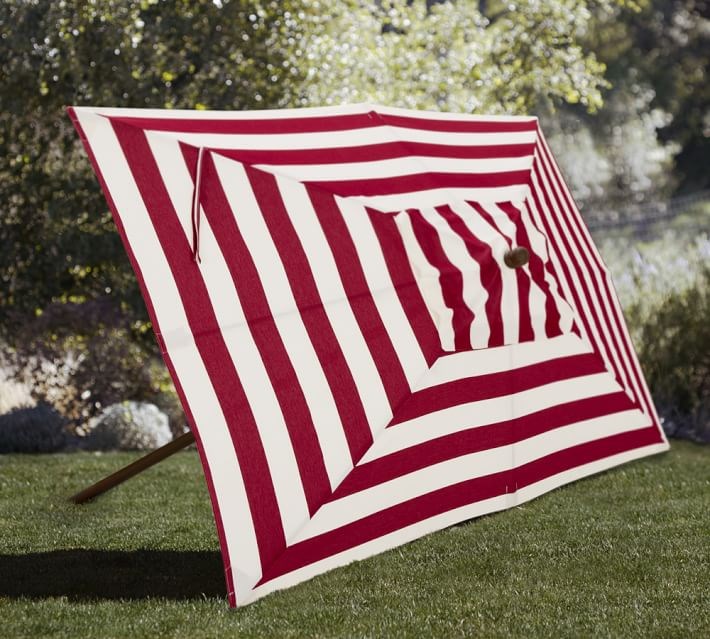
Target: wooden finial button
[{"x": 516, "y": 257}]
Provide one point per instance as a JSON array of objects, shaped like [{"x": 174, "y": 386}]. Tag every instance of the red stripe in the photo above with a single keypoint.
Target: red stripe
[
  {"x": 450, "y": 278},
  {"x": 459, "y": 126},
  {"x": 525, "y": 328},
  {"x": 573, "y": 214},
  {"x": 264, "y": 331},
  {"x": 545, "y": 220},
  {"x": 208, "y": 339},
  {"x": 255, "y": 126},
  {"x": 455, "y": 496},
  {"x": 472, "y": 440},
  {"x": 315, "y": 319},
  {"x": 592, "y": 296},
  {"x": 480, "y": 387},
  {"x": 404, "y": 282},
  {"x": 422, "y": 182},
  {"x": 359, "y": 295},
  {"x": 229, "y": 579},
  {"x": 374, "y": 152},
  {"x": 537, "y": 269},
  {"x": 554, "y": 325},
  {"x": 320, "y": 123},
  {"x": 491, "y": 278}
]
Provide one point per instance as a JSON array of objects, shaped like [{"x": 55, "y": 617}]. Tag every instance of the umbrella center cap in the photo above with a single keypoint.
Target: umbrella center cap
[{"x": 516, "y": 257}]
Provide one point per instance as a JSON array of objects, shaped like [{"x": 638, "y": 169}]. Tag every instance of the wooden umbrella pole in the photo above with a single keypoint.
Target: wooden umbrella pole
[{"x": 133, "y": 469}]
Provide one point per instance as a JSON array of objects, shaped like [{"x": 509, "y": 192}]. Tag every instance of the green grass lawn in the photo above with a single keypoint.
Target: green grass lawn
[{"x": 623, "y": 554}]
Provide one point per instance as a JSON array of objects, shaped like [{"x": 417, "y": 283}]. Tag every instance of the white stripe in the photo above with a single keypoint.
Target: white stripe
[
  {"x": 287, "y": 317},
  {"x": 498, "y": 359},
  {"x": 167, "y": 154},
  {"x": 439, "y": 196},
  {"x": 395, "y": 167},
  {"x": 509, "y": 306},
  {"x": 488, "y": 411},
  {"x": 240, "y": 343},
  {"x": 336, "y": 304},
  {"x": 474, "y": 293},
  {"x": 195, "y": 114},
  {"x": 449, "y": 116},
  {"x": 445, "y": 519},
  {"x": 539, "y": 243},
  {"x": 194, "y": 380},
  {"x": 300, "y": 112},
  {"x": 349, "y": 137},
  {"x": 428, "y": 282},
  {"x": 394, "y": 319},
  {"x": 453, "y": 471},
  {"x": 536, "y": 296}
]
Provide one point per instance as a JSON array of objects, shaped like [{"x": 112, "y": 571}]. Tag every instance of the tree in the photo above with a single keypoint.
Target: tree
[
  {"x": 58, "y": 242},
  {"x": 67, "y": 293},
  {"x": 65, "y": 283},
  {"x": 653, "y": 136},
  {"x": 670, "y": 49},
  {"x": 460, "y": 56}
]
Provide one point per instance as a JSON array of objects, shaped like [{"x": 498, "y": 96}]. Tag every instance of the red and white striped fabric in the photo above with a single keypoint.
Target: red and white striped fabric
[{"x": 358, "y": 365}]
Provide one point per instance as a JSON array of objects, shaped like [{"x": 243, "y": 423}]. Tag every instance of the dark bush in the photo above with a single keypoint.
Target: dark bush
[
  {"x": 39, "y": 429},
  {"x": 675, "y": 354}
]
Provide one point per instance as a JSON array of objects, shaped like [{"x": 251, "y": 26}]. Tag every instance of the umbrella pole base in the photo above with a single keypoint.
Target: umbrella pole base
[{"x": 133, "y": 469}]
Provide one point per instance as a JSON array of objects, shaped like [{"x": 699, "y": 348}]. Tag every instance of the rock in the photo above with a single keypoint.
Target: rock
[
  {"x": 13, "y": 394},
  {"x": 39, "y": 429},
  {"x": 128, "y": 426}
]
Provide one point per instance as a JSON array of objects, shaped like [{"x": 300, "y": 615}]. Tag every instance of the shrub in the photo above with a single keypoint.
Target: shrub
[
  {"x": 129, "y": 426},
  {"x": 674, "y": 348},
  {"x": 81, "y": 357},
  {"x": 664, "y": 287},
  {"x": 39, "y": 429}
]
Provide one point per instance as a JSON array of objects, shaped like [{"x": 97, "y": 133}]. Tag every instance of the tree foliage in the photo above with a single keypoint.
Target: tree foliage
[
  {"x": 67, "y": 293},
  {"x": 653, "y": 135},
  {"x": 666, "y": 45},
  {"x": 58, "y": 241},
  {"x": 60, "y": 256},
  {"x": 467, "y": 55}
]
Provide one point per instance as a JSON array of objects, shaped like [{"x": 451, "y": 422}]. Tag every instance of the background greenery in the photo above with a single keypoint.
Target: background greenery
[
  {"x": 622, "y": 554},
  {"x": 622, "y": 90},
  {"x": 620, "y": 85}
]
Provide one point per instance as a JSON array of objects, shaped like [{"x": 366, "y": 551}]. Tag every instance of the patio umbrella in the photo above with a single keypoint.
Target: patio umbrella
[{"x": 380, "y": 322}]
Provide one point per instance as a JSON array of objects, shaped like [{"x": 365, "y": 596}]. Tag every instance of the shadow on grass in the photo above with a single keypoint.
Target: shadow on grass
[{"x": 84, "y": 574}]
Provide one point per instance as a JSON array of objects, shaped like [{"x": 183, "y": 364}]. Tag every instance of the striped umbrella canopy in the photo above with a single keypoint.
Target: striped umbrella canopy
[{"x": 380, "y": 322}]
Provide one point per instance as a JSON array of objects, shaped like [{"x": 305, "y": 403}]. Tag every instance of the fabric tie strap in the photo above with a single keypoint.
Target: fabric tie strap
[{"x": 196, "y": 209}]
